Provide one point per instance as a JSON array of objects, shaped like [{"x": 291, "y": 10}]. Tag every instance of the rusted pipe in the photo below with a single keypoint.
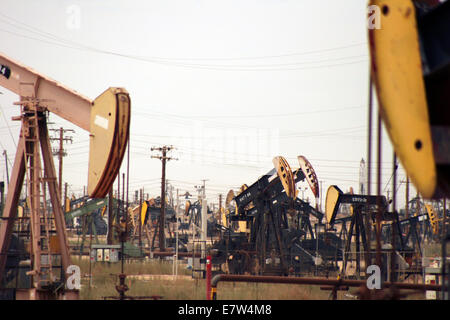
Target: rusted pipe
[
  {"x": 313, "y": 281},
  {"x": 156, "y": 254},
  {"x": 122, "y": 287},
  {"x": 180, "y": 254}
]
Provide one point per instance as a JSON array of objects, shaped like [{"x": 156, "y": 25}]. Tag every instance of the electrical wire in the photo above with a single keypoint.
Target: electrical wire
[{"x": 177, "y": 61}]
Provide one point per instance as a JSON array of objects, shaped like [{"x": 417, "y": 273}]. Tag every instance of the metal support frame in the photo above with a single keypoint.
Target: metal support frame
[
  {"x": 34, "y": 134},
  {"x": 356, "y": 230}
]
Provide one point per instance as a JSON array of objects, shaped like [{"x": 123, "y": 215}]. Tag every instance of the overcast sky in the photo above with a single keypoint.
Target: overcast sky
[{"x": 230, "y": 84}]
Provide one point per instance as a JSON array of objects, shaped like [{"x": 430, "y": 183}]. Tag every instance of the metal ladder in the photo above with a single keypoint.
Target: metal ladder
[{"x": 36, "y": 182}]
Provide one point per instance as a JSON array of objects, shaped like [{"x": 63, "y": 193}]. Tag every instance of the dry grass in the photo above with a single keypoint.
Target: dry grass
[
  {"x": 104, "y": 280},
  {"x": 265, "y": 291},
  {"x": 435, "y": 250}
]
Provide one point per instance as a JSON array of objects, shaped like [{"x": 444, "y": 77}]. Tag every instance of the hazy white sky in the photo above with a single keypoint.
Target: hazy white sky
[{"x": 230, "y": 84}]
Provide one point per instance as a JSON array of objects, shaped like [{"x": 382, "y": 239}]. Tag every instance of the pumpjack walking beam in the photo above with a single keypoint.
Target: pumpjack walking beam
[
  {"x": 410, "y": 64},
  {"x": 107, "y": 118}
]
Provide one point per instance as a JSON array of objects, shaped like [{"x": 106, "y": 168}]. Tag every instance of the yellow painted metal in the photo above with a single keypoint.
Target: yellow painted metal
[
  {"x": 187, "y": 206},
  {"x": 110, "y": 121},
  {"x": 143, "y": 212},
  {"x": 223, "y": 217},
  {"x": 397, "y": 74},
  {"x": 229, "y": 198},
  {"x": 285, "y": 174},
  {"x": 243, "y": 226},
  {"x": 433, "y": 218},
  {"x": 67, "y": 204},
  {"x": 20, "y": 211},
  {"x": 228, "y": 207},
  {"x": 103, "y": 211},
  {"x": 331, "y": 201}
]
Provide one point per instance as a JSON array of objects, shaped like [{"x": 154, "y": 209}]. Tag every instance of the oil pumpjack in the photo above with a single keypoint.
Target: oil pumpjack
[{"x": 107, "y": 119}]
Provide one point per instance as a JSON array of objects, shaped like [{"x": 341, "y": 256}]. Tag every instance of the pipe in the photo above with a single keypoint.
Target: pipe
[
  {"x": 180, "y": 254},
  {"x": 208, "y": 277},
  {"x": 443, "y": 268},
  {"x": 312, "y": 281},
  {"x": 162, "y": 254}
]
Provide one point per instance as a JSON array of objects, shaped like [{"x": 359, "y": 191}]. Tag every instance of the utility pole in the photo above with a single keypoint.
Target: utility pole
[
  {"x": 2, "y": 199},
  {"x": 6, "y": 164},
  {"x": 202, "y": 189},
  {"x": 60, "y": 152},
  {"x": 321, "y": 193},
  {"x": 164, "y": 158},
  {"x": 204, "y": 212},
  {"x": 178, "y": 202},
  {"x": 109, "y": 239},
  {"x": 362, "y": 177},
  {"x": 170, "y": 189},
  {"x": 444, "y": 222},
  {"x": 176, "y": 226},
  {"x": 65, "y": 197},
  {"x": 220, "y": 209},
  {"x": 140, "y": 218},
  {"x": 407, "y": 197}
]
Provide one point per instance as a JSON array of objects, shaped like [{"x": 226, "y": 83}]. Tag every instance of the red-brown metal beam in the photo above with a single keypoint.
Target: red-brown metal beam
[
  {"x": 55, "y": 196},
  {"x": 313, "y": 281},
  {"x": 12, "y": 201}
]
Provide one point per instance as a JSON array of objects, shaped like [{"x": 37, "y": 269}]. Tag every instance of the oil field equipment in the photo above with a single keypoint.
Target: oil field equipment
[
  {"x": 107, "y": 119},
  {"x": 363, "y": 211},
  {"x": 278, "y": 237},
  {"x": 194, "y": 211},
  {"x": 150, "y": 215},
  {"x": 361, "y": 206},
  {"x": 89, "y": 217}
]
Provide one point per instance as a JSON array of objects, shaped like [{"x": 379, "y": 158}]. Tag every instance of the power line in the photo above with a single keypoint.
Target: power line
[
  {"x": 39, "y": 32},
  {"x": 194, "y": 66},
  {"x": 173, "y": 62},
  {"x": 253, "y": 116}
]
